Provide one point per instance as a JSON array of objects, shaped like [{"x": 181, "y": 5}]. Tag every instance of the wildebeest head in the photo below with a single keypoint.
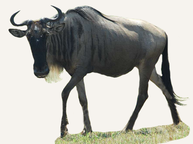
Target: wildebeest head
[{"x": 37, "y": 33}]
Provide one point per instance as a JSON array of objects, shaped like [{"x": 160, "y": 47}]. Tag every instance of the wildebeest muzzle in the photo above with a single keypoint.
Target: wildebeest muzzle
[{"x": 41, "y": 72}]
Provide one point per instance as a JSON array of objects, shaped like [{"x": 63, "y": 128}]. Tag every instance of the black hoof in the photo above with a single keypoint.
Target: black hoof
[
  {"x": 84, "y": 132},
  {"x": 64, "y": 133}
]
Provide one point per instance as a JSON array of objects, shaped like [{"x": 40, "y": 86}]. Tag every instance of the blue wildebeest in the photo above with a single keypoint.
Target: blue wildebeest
[{"x": 83, "y": 40}]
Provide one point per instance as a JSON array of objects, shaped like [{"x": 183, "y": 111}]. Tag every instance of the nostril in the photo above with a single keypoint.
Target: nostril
[
  {"x": 36, "y": 69},
  {"x": 45, "y": 70}
]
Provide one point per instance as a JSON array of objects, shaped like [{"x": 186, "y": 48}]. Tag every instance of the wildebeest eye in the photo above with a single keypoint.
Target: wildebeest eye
[{"x": 48, "y": 25}]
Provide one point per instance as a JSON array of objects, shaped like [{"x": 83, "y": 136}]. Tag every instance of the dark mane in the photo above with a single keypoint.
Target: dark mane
[
  {"x": 61, "y": 45},
  {"x": 83, "y": 13}
]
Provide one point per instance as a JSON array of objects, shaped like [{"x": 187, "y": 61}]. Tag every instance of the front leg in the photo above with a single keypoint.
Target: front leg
[
  {"x": 83, "y": 101},
  {"x": 75, "y": 79}
]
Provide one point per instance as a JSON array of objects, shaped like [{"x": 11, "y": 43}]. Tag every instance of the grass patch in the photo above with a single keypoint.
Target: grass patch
[{"x": 159, "y": 134}]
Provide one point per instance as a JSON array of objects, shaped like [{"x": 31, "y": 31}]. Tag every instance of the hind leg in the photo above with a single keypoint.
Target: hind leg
[
  {"x": 157, "y": 80},
  {"x": 144, "y": 73}
]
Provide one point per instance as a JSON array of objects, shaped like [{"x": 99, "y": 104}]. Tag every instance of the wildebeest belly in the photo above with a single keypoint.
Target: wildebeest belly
[
  {"x": 115, "y": 65},
  {"x": 113, "y": 71}
]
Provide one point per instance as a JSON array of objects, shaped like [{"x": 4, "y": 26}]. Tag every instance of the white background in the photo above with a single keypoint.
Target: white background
[{"x": 31, "y": 109}]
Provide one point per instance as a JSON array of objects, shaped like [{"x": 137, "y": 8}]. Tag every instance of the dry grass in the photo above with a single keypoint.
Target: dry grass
[{"x": 153, "y": 135}]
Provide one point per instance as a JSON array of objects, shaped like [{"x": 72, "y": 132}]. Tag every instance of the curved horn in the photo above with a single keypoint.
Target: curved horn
[
  {"x": 46, "y": 20},
  {"x": 13, "y": 22}
]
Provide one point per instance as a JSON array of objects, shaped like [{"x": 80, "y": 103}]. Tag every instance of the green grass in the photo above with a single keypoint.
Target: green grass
[{"x": 159, "y": 134}]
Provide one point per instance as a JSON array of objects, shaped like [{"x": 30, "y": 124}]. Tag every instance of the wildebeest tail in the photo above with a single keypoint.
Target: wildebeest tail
[{"x": 166, "y": 75}]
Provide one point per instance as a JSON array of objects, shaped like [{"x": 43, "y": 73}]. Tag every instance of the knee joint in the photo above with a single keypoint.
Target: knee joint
[{"x": 143, "y": 97}]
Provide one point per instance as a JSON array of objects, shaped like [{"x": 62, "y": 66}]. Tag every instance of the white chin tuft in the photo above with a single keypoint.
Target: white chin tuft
[{"x": 54, "y": 74}]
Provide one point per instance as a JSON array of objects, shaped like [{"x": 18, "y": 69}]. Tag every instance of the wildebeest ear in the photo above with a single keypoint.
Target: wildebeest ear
[
  {"x": 59, "y": 28},
  {"x": 17, "y": 33},
  {"x": 56, "y": 29}
]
